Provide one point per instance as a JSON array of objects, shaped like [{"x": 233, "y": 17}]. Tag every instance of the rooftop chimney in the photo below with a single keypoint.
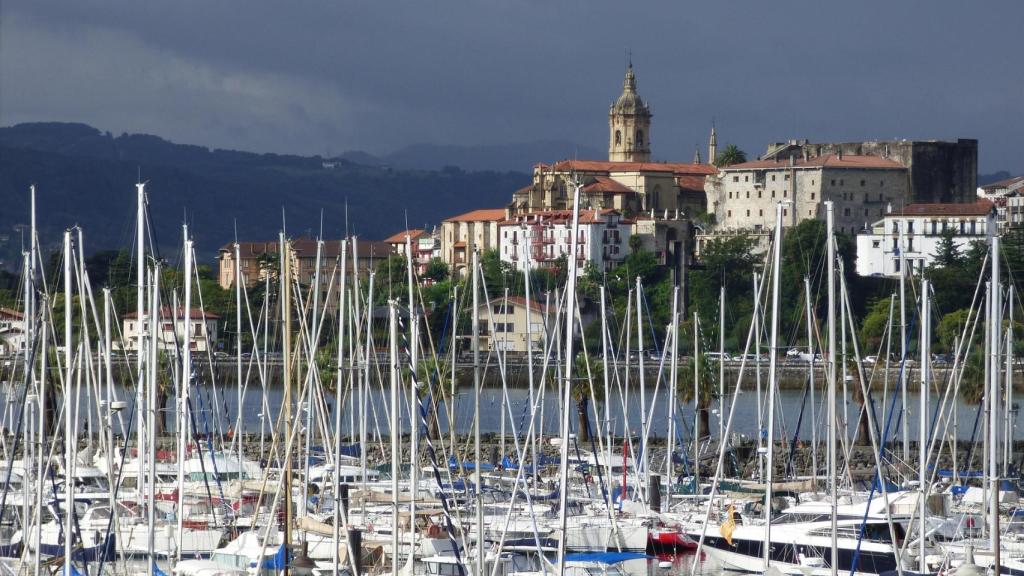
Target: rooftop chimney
[{"x": 840, "y": 153}]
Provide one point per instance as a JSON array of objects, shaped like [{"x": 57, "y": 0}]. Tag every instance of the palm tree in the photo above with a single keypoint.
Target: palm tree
[
  {"x": 706, "y": 392},
  {"x": 581, "y": 390},
  {"x": 730, "y": 155}
]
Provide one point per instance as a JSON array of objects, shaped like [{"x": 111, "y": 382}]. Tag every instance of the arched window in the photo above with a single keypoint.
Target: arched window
[
  {"x": 618, "y": 137},
  {"x": 639, "y": 137}
]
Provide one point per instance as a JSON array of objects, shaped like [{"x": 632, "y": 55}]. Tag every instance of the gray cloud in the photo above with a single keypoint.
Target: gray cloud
[{"x": 317, "y": 77}]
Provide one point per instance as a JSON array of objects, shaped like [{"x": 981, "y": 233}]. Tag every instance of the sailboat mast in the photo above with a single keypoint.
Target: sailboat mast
[
  {"x": 995, "y": 329},
  {"x": 810, "y": 376},
  {"x": 395, "y": 426},
  {"x": 286, "y": 358},
  {"x": 570, "y": 315},
  {"x": 69, "y": 436},
  {"x": 833, "y": 432},
  {"x": 922, "y": 421},
  {"x": 641, "y": 480},
  {"x": 338, "y": 519},
  {"x": 721, "y": 363},
  {"x": 477, "y": 477},
  {"x": 186, "y": 373},
  {"x": 773, "y": 354}
]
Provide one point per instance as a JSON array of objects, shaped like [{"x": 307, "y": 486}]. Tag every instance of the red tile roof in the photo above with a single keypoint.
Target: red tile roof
[
  {"x": 399, "y": 238},
  {"x": 562, "y": 216},
  {"x": 482, "y": 215},
  {"x": 826, "y": 161},
  {"x": 677, "y": 168},
  {"x": 691, "y": 183},
  {"x": 165, "y": 313},
  {"x": 9, "y": 313},
  {"x": 1008, "y": 183},
  {"x": 978, "y": 208},
  {"x": 606, "y": 185}
]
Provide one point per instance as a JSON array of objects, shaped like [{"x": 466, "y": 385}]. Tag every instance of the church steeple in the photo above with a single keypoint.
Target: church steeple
[
  {"x": 629, "y": 124},
  {"x": 712, "y": 145},
  {"x": 696, "y": 155}
]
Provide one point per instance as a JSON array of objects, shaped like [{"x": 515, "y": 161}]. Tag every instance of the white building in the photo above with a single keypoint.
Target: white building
[
  {"x": 201, "y": 330},
  {"x": 916, "y": 230},
  {"x": 544, "y": 237},
  {"x": 12, "y": 332},
  {"x": 503, "y": 325},
  {"x": 1008, "y": 196}
]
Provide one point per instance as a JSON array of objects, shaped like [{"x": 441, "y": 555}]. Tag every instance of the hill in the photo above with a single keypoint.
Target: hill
[
  {"x": 87, "y": 177},
  {"x": 502, "y": 157}
]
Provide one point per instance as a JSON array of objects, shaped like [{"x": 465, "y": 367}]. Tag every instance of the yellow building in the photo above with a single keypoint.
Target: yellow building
[{"x": 503, "y": 325}]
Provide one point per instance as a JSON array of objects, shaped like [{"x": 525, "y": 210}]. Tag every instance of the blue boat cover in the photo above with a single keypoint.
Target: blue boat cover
[{"x": 605, "y": 557}]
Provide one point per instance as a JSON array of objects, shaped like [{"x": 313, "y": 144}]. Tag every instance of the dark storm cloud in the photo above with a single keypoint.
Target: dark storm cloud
[{"x": 317, "y": 77}]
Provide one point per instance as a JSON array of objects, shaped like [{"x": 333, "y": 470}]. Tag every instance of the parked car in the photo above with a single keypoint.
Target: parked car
[
  {"x": 750, "y": 357},
  {"x": 716, "y": 356}
]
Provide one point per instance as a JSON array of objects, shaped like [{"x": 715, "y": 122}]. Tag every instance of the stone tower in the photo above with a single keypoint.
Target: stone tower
[
  {"x": 629, "y": 125},
  {"x": 712, "y": 145}
]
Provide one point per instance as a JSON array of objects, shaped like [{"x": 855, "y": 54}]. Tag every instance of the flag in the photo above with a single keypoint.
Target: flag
[{"x": 729, "y": 525}]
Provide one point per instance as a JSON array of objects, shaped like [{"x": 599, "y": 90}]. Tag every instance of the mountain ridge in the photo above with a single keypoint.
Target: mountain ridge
[{"x": 87, "y": 177}]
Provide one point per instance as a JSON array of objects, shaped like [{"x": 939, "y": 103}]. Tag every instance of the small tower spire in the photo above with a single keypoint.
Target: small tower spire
[
  {"x": 713, "y": 144},
  {"x": 696, "y": 155}
]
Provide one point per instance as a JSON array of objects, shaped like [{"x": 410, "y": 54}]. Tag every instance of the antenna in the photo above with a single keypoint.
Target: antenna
[
  {"x": 284, "y": 222},
  {"x": 346, "y": 217},
  {"x": 235, "y": 224},
  {"x": 321, "y": 236}
]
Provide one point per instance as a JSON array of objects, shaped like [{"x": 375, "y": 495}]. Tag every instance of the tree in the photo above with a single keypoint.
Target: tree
[
  {"x": 635, "y": 244},
  {"x": 947, "y": 253},
  {"x": 437, "y": 270},
  {"x": 706, "y": 390},
  {"x": 730, "y": 155},
  {"x": 875, "y": 323},
  {"x": 951, "y": 327}
]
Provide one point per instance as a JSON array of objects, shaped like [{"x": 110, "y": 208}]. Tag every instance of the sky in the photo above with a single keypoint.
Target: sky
[{"x": 324, "y": 77}]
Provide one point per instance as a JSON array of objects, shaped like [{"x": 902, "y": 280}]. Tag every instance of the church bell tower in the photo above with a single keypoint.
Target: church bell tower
[{"x": 629, "y": 125}]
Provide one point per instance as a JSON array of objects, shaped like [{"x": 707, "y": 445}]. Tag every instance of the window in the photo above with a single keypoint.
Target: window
[
  {"x": 865, "y": 211},
  {"x": 881, "y": 182},
  {"x": 881, "y": 198},
  {"x": 840, "y": 181},
  {"x": 618, "y": 137},
  {"x": 863, "y": 182},
  {"x": 504, "y": 327},
  {"x": 748, "y": 213},
  {"x": 910, "y": 226},
  {"x": 810, "y": 212},
  {"x": 639, "y": 137},
  {"x": 785, "y": 193},
  {"x": 773, "y": 193},
  {"x": 895, "y": 245},
  {"x": 758, "y": 193},
  {"x": 974, "y": 227},
  {"x": 735, "y": 178},
  {"x": 773, "y": 177},
  {"x": 962, "y": 227},
  {"x": 729, "y": 213},
  {"x": 910, "y": 244},
  {"x": 812, "y": 195},
  {"x": 748, "y": 194},
  {"x": 896, "y": 262},
  {"x": 760, "y": 212},
  {"x": 833, "y": 182},
  {"x": 785, "y": 212},
  {"x": 895, "y": 227},
  {"x": 812, "y": 182},
  {"x": 846, "y": 211},
  {"x": 787, "y": 177},
  {"x": 876, "y": 243},
  {"x": 730, "y": 195},
  {"x": 499, "y": 308}
]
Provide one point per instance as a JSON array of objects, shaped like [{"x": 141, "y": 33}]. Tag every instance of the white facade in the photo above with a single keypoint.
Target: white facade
[
  {"x": 916, "y": 231},
  {"x": 541, "y": 238},
  {"x": 200, "y": 330},
  {"x": 12, "y": 332}
]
